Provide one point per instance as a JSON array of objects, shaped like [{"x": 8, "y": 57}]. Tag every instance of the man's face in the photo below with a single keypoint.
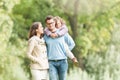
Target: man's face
[{"x": 50, "y": 24}]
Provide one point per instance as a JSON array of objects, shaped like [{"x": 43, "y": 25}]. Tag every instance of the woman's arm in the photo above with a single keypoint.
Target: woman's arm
[{"x": 31, "y": 45}]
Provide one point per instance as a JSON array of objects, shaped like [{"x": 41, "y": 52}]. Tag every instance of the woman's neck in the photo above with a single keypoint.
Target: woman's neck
[{"x": 38, "y": 35}]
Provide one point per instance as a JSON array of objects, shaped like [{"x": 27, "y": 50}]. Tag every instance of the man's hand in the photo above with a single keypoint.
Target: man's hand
[{"x": 75, "y": 61}]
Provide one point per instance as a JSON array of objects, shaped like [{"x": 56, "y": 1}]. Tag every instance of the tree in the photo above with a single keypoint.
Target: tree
[
  {"x": 90, "y": 22},
  {"x": 10, "y": 64}
]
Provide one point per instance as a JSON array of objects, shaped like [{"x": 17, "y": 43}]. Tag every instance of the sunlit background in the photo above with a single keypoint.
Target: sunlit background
[{"x": 93, "y": 24}]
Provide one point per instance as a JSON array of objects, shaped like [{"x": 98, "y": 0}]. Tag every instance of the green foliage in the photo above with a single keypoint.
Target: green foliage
[
  {"x": 101, "y": 67},
  {"x": 94, "y": 35},
  {"x": 106, "y": 66},
  {"x": 10, "y": 64},
  {"x": 27, "y": 12}
]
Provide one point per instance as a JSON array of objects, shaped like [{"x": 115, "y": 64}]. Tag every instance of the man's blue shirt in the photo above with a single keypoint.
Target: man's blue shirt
[{"x": 56, "y": 46}]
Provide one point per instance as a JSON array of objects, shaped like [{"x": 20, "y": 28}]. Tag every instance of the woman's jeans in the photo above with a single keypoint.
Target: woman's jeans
[{"x": 58, "y": 69}]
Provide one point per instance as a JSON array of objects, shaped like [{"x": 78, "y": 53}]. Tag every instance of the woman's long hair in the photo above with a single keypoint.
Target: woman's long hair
[{"x": 33, "y": 28}]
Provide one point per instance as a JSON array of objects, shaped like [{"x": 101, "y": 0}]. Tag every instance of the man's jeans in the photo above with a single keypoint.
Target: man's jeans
[{"x": 58, "y": 69}]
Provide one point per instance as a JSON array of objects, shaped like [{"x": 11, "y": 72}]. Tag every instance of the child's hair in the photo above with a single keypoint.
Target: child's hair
[
  {"x": 33, "y": 28},
  {"x": 59, "y": 18}
]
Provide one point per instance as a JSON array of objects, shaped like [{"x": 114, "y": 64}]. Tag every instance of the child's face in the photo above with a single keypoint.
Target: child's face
[{"x": 58, "y": 24}]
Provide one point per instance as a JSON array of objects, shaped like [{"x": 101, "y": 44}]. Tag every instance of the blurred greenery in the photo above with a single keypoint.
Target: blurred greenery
[{"x": 93, "y": 24}]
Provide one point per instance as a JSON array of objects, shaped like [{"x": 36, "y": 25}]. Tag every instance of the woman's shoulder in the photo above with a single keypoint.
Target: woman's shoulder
[
  {"x": 36, "y": 39},
  {"x": 33, "y": 38}
]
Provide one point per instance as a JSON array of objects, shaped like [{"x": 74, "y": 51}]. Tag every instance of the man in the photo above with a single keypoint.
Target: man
[{"x": 57, "y": 57}]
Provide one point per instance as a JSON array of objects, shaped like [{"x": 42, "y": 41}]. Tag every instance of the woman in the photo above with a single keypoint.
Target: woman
[{"x": 37, "y": 52}]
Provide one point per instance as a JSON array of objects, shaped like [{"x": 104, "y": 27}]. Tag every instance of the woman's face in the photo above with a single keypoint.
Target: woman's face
[
  {"x": 58, "y": 24},
  {"x": 40, "y": 29}
]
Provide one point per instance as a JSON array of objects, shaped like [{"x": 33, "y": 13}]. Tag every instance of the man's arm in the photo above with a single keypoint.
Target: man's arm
[{"x": 70, "y": 42}]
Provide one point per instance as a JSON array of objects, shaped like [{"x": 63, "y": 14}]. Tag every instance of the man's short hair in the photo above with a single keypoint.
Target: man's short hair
[{"x": 48, "y": 18}]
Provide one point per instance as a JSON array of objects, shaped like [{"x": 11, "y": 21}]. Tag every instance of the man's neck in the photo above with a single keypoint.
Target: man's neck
[{"x": 53, "y": 30}]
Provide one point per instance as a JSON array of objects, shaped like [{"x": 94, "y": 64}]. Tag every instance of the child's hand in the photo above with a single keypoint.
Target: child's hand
[{"x": 53, "y": 35}]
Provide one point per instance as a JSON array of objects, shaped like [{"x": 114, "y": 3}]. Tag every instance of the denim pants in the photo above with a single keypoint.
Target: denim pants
[{"x": 58, "y": 69}]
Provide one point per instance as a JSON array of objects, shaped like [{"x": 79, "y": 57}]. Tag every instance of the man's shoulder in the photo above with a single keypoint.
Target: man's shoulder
[
  {"x": 67, "y": 34},
  {"x": 45, "y": 36}
]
